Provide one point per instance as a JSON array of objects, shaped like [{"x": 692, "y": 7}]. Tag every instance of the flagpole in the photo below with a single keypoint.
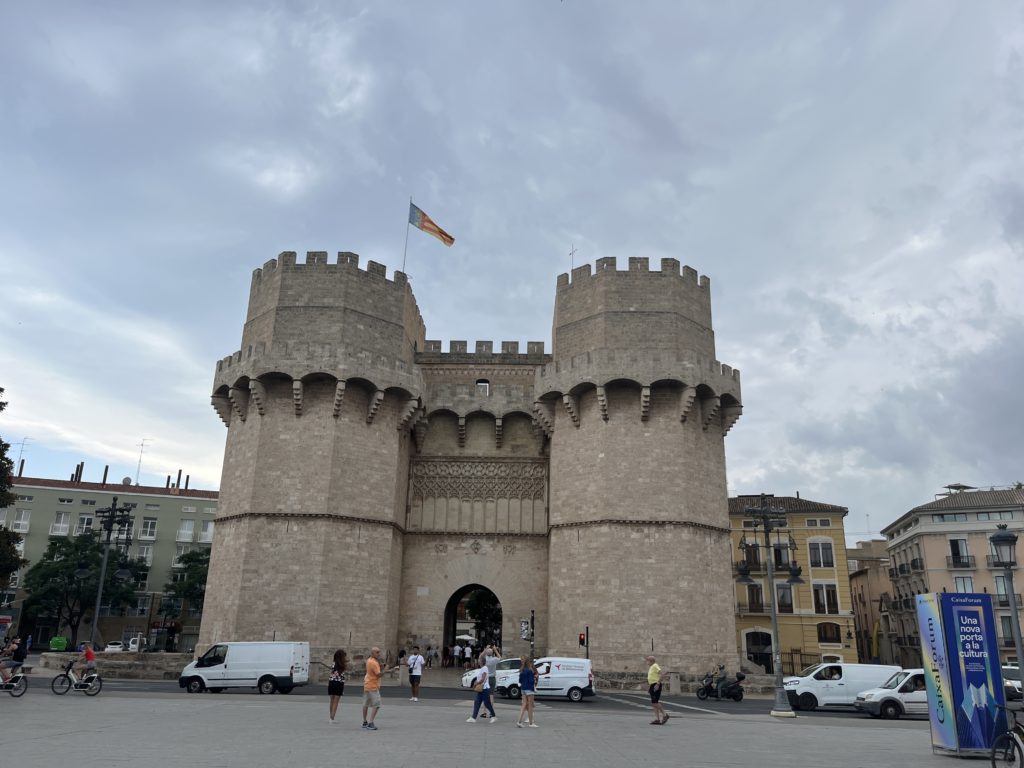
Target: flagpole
[{"x": 406, "y": 249}]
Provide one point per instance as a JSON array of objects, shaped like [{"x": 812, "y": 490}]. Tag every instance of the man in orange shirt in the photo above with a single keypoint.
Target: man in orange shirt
[{"x": 371, "y": 688}]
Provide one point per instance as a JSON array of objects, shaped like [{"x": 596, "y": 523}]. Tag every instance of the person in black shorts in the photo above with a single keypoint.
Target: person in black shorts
[
  {"x": 336, "y": 682},
  {"x": 654, "y": 681},
  {"x": 16, "y": 652}
]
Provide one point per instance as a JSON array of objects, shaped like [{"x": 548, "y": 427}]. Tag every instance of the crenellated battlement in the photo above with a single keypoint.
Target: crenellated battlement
[
  {"x": 484, "y": 354},
  {"x": 319, "y": 260},
  {"x": 606, "y": 268}
]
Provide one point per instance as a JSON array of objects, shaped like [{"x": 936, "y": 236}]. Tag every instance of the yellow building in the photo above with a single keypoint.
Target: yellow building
[{"x": 816, "y": 617}]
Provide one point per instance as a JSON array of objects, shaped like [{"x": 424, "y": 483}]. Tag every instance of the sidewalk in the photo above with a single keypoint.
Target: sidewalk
[{"x": 257, "y": 731}]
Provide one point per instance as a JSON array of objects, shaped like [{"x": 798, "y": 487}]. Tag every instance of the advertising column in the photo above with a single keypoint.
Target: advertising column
[{"x": 962, "y": 673}]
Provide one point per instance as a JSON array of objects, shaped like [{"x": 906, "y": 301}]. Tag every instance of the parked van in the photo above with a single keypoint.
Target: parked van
[
  {"x": 834, "y": 683},
  {"x": 903, "y": 693},
  {"x": 266, "y": 666},
  {"x": 556, "y": 676}
]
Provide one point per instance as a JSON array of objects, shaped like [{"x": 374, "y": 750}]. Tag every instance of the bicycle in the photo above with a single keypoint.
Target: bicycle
[
  {"x": 90, "y": 685},
  {"x": 1008, "y": 747},
  {"x": 17, "y": 684}
]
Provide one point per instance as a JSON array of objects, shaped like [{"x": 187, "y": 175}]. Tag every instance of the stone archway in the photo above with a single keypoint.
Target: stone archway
[{"x": 457, "y": 620}]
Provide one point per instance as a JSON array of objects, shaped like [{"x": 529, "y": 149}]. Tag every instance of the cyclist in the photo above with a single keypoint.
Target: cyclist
[
  {"x": 16, "y": 651},
  {"x": 86, "y": 663}
]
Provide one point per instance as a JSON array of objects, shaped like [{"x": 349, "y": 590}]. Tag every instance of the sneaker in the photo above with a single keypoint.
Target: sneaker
[
  {"x": 412, "y": 698},
  {"x": 534, "y": 725},
  {"x": 666, "y": 719},
  {"x": 416, "y": 699},
  {"x": 371, "y": 727},
  {"x": 518, "y": 724},
  {"x": 493, "y": 718},
  {"x": 470, "y": 719}
]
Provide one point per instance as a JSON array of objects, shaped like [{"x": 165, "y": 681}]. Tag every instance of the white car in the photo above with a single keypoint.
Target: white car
[
  {"x": 503, "y": 666},
  {"x": 115, "y": 646}
]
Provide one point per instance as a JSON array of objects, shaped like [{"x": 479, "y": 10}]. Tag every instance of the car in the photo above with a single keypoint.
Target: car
[
  {"x": 902, "y": 694},
  {"x": 503, "y": 666},
  {"x": 115, "y": 646},
  {"x": 1011, "y": 683}
]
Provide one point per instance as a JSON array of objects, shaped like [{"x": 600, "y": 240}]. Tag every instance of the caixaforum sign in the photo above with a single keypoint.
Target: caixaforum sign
[{"x": 960, "y": 655}]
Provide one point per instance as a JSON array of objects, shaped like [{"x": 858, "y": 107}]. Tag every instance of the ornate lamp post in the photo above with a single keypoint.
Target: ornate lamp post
[
  {"x": 1005, "y": 544},
  {"x": 771, "y": 519},
  {"x": 109, "y": 518}
]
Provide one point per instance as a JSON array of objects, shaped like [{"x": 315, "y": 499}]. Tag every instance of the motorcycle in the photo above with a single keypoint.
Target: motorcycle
[{"x": 732, "y": 689}]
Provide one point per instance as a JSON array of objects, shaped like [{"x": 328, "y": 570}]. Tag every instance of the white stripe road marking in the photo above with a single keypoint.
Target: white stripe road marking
[{"x": 647, "y": 705}]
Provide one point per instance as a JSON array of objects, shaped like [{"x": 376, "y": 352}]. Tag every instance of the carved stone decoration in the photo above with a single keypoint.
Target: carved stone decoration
[
  {"x": 408, "y": 414},
  {"x": 710, "y": 406},
  {"x": 645, "y": 403},
  {"x": 441, "y": 548},
  {"x": 462, "y": 431},
  {"x": 570, "y": 408},
  {"x": 476, "y": 546},
  {"x": 297, "y": 397},
  {"x": 419, "y": 433},
  {"x": 686, "y": 402},
  {"x": 479, "y": 479},
  {"x": 239, "y": 401},
  {"x": 543, "y": 417},
  {"x": 258, "y": 395},
  {"x": 602, "y": 402},
  {"x": 375, "y": 400},
  {"x": 339, "y": 396},
  {"x": 497, "y": 432},
  {"x": 222, "y": 405},
  {"x": 730, "y": 414}
]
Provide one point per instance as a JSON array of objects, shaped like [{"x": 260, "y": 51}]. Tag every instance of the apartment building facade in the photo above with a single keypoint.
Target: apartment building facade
[
  {"x": 168, "y": 522},
  {"x": 816, "y": 617},
  {"x": 943, "y": 546},
  {"x": 868, "y": 562}
]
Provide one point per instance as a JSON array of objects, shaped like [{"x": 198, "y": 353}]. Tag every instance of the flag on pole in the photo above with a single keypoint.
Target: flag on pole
[{"x": 420, "y": 220}]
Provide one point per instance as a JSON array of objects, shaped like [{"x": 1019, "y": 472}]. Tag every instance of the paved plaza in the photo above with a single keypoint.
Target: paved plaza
[{"x": 144, "y": 729}]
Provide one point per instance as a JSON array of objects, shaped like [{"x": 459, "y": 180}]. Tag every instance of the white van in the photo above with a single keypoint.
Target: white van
[
  {"x": 903, "y": 693},
  {"x": 834, "y": 683},
  {"x": 556, "y": 676},
  {"x": 266, "y": 666}
]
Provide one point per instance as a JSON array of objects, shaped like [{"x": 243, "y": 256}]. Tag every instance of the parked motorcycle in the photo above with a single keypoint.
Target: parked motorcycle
[{"x": 733, "y": 689}]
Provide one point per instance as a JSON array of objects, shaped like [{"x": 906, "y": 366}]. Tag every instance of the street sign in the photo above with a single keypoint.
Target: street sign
[{"x": 524, "y": 629}]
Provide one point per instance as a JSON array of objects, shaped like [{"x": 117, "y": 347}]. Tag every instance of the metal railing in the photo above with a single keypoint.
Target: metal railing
[
  {"x": 903, "y": 568},
  {"x": 1003, "y": 601},
  {"x": 749, "y": 607},
  {"x": 960, "y": 561},
  {"x": 917, "y": 564},
  {"x": 992, "y": 562}
]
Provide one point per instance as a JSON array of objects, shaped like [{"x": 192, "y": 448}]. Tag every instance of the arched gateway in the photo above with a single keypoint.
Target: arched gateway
[{"x": 370, "y": 478}]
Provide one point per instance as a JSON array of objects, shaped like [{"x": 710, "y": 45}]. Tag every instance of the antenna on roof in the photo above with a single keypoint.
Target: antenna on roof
[{"x": 142, "y": 447}]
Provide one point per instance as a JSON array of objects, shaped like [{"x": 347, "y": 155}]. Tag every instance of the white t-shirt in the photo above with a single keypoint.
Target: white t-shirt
[
  {"x": 415, "y": 663},
  {"x": 483, "y": 675},
  {"x": 469, "y": 652}
]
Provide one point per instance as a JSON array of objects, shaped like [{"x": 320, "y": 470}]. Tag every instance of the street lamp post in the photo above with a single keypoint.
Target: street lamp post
[
  {"x": 1005, "y": 544},
  {"x": 111, "y": 517},
  {"x": 770, "y": 519}
]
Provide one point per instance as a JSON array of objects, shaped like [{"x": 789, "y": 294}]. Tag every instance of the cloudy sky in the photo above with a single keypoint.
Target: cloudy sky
[{"x": 849, "y": 175}]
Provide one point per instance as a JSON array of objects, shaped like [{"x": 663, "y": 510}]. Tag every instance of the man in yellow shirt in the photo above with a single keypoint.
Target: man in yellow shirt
[
  {"x": 371, "y": 688},
  {"x": 654, "y": 676}
]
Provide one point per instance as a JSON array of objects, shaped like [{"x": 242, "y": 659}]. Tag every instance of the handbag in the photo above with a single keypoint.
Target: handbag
[{"x": 478, "y": 687}]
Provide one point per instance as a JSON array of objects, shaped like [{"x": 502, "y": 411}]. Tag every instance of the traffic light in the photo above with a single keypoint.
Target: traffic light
[{"x": 583, "y": 639}]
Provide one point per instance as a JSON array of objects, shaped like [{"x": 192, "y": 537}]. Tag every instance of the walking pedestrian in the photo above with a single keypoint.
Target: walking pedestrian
[
  {"x": 467, "y": 654},
  {"x": 654, "y": 677},
  {"x": 456, "y": 655},
  {"x": 528, "y": 689},
  {"x": 491, "y": 659},
  {"x": 336, "y": 682},
  {"x": 415, "y": 663},
  {"x": 482, "y": 687},
  {"x": 371, "y": 688},
  {"x": 430, "y": 657}
]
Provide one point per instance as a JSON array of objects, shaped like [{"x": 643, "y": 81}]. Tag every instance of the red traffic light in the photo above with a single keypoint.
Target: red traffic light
[{"x": 583, "y": 638}]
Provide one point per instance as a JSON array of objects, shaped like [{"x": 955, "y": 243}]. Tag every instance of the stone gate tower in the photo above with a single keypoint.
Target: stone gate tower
[{"x": 371, "y": 479}]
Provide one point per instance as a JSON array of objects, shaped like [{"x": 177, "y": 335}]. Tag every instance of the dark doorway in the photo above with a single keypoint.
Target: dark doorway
[
  {"x": 759, "y": 650},
  {"x": 473, "y": 610}
]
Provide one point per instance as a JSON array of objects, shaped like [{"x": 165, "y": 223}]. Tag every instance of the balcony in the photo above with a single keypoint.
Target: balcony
[
  {"x": 892, "y": 573},
  {"x": 1006, "y": 642},
  {"x": 914, "y": 641},
  {"x": 59, "y": 529},
  {"x": 149, "y": 535},
  {"x": 82, "y": 529},
  {"x": 785, "y": 608},
  {"x": 19, "y": 526},
  {"x": 904, "y": 569},
  {"x": 960, "y": 561},
  {"x": 206, "y": 537},
  {"x": 755, "y": 566},
  {"x": 917, "y": 564},
  {"x": 909, "y": 603},
  {"x": 743, "y": 608},
  {"x": 992, "y": 562},
  {"x": 1003, "y": 601},
  {"x": 184, "y": 537}
]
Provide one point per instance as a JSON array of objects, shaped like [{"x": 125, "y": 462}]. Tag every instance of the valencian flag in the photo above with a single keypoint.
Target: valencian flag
[{"x": 420, "y": 220}]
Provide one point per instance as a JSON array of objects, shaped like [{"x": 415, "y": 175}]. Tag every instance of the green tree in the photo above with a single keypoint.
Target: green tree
[
  {"x": 10, "y": 559},
  {"x": 6, "y": 467},
  {"x": 55, "y": 588},
  {"x": 483, "y": 608},
  {"x": 188, "y": 582}
]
